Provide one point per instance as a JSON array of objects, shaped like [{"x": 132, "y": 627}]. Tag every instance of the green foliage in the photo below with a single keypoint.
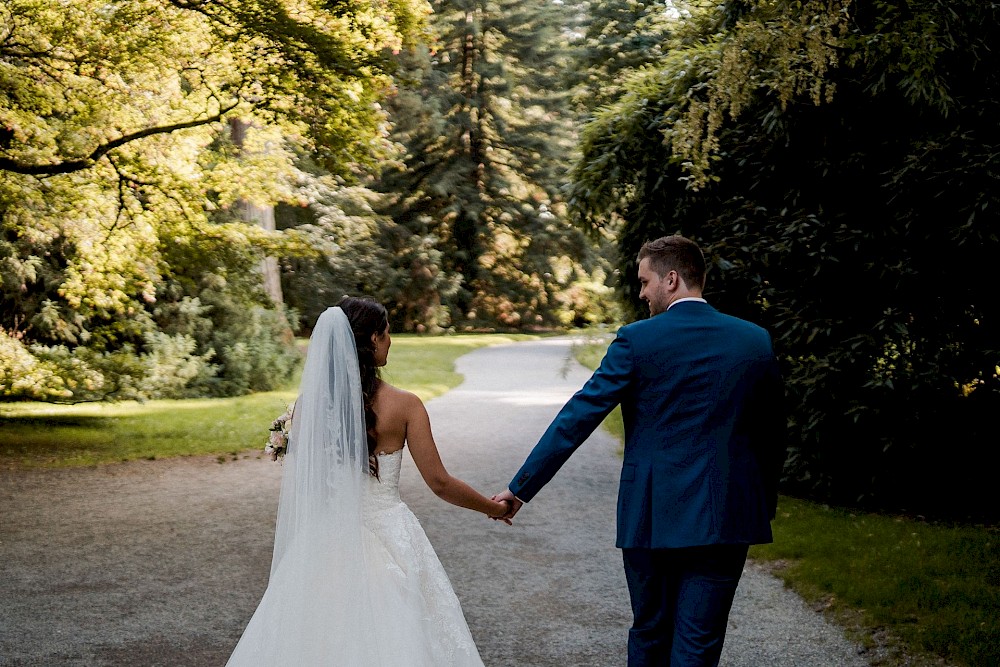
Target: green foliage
[
  {"x": 125, "y": 269},
  {"x": 83, "y": 79},
  {"x": 57, "y": 373},
  {"x": 480, "y": 235},
  {"x": 847, "y": 201},
  {"x": 617, "y": 37},
  {"x": 933, "y": 587},
  {"x": 342, "y": 246}
]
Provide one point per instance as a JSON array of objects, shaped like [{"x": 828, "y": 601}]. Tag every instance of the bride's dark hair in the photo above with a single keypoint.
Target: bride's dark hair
[{"x": 367, "y": 317}]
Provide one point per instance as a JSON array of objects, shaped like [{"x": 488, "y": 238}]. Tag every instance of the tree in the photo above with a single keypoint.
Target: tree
[
  {"x": 484, "y": 118},
  {"x": 618, "y": 38},
  {"x": 123, "y": 269},
  {"x": 838, "y": 163},
  {"x": 343, "y": 246}
]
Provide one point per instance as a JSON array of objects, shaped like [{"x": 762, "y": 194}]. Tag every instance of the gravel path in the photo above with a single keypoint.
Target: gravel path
[{"x": 163, "y": 562}]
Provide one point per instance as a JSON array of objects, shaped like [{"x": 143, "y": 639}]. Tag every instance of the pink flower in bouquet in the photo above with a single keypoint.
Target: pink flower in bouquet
[{"x": 277, "y": 441}]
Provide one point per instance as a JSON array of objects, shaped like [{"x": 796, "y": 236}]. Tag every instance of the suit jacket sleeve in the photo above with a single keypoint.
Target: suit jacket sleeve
[{"x": 577, "y": 420}]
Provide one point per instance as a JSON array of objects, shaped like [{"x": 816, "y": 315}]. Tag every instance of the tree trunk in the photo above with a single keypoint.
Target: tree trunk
[{"x": 258, "y": 215}]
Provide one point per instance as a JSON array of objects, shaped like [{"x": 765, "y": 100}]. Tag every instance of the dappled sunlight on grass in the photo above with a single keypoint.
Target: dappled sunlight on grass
[
  {"x": 48, "y": 435},
  {"x": 44, "y": 435},
  {"x": 26, "y": 411}
]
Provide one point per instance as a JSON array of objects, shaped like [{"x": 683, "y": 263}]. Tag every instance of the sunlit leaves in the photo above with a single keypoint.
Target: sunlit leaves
[
  {"x": 81, "y": 74},
  {"x": 118, "y": 176}
]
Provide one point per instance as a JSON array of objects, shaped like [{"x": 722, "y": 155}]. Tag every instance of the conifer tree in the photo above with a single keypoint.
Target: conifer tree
[
  {"x": 618, "y": 36},
  {"x": 484, "y": 117}
]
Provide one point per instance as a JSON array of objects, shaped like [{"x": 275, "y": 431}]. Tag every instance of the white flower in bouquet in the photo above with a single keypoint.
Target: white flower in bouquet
[{"x": 277, "y": 442}]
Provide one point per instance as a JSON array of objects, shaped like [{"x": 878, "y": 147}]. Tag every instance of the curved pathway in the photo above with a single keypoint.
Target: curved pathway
[{"x": 163, "y": 562}]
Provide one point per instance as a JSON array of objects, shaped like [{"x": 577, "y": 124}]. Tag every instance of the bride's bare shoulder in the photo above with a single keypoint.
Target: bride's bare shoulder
[{"x": 397, "y": 399}]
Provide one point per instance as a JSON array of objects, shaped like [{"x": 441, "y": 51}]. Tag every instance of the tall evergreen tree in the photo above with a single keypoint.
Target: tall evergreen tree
[
  {"x": 618, "y": 37},
  {"x": 485, "y": 123}
]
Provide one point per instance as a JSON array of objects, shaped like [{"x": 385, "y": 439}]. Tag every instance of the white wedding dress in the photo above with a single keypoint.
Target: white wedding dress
[
  {"x": 428, "y": 605},
  {"x": 418, "y": 620},
  {"x": 354, "y": 580}
]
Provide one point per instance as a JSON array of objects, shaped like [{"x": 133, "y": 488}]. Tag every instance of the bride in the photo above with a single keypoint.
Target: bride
[{"x": 354, "y": 580}]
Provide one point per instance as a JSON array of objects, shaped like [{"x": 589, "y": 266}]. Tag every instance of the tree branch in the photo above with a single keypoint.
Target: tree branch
[{"x": 70, "y": 166}]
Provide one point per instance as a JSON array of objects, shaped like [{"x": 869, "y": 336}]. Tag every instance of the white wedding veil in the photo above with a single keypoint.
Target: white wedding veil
[
  {"x": 327, "y": 448},
  {"x": 320, "y": 587}
]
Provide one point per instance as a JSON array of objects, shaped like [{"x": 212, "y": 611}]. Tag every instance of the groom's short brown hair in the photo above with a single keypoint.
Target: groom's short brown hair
[{"x": 676, "y": 253}]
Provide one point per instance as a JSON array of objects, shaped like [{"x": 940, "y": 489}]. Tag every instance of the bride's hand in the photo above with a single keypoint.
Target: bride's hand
[
  {"x": 513, "y": 504},
  {"x": 503, "y": 507}
]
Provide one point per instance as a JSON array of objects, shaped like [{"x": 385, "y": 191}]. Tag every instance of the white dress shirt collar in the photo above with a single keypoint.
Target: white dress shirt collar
[{"x": 687, "y": 298}]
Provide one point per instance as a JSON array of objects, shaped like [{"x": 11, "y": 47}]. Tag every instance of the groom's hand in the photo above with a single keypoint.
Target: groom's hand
[{"x": 515, "y": 505}]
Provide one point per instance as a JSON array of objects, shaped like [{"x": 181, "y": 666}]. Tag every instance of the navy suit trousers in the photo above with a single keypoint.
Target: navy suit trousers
[{"x": 680, "y": 603}]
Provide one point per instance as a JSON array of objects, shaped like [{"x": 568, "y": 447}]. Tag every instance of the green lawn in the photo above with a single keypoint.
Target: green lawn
[
  {"x": 930, "y": 591},
  {"x": 934, "y": 587},
  {"x": 42, "y": 434}
]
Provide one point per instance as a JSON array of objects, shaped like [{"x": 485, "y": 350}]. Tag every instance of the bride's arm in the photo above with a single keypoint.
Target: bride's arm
[{"x": 425, "y": 455}]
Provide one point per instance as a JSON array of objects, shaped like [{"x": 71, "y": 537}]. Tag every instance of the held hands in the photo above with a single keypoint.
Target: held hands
[
  {"x": 502, "y": 512},
  {"x": 510, "y": 502}
]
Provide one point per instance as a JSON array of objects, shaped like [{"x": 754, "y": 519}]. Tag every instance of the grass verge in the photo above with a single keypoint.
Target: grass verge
[
  {"x": 919, "y": 594},
  {"x": 47, "y": 435}
]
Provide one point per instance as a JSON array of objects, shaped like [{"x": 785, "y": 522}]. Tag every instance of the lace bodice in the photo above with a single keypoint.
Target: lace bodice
[{"x": 383, "y": 493}]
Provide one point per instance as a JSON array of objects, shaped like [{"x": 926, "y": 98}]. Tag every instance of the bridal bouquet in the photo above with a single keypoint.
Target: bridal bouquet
[{"x": 277, "y": 442}]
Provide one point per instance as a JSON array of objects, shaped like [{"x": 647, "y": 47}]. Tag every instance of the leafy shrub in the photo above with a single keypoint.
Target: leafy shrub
[{"x": 858, "y": 225}]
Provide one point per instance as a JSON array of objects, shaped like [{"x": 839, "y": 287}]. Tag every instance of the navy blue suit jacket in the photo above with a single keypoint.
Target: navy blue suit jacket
[{"x": 701, "y": 398}]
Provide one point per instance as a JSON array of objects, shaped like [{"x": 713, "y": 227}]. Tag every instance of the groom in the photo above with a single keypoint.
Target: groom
[{"x": 704, "y": 446}]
